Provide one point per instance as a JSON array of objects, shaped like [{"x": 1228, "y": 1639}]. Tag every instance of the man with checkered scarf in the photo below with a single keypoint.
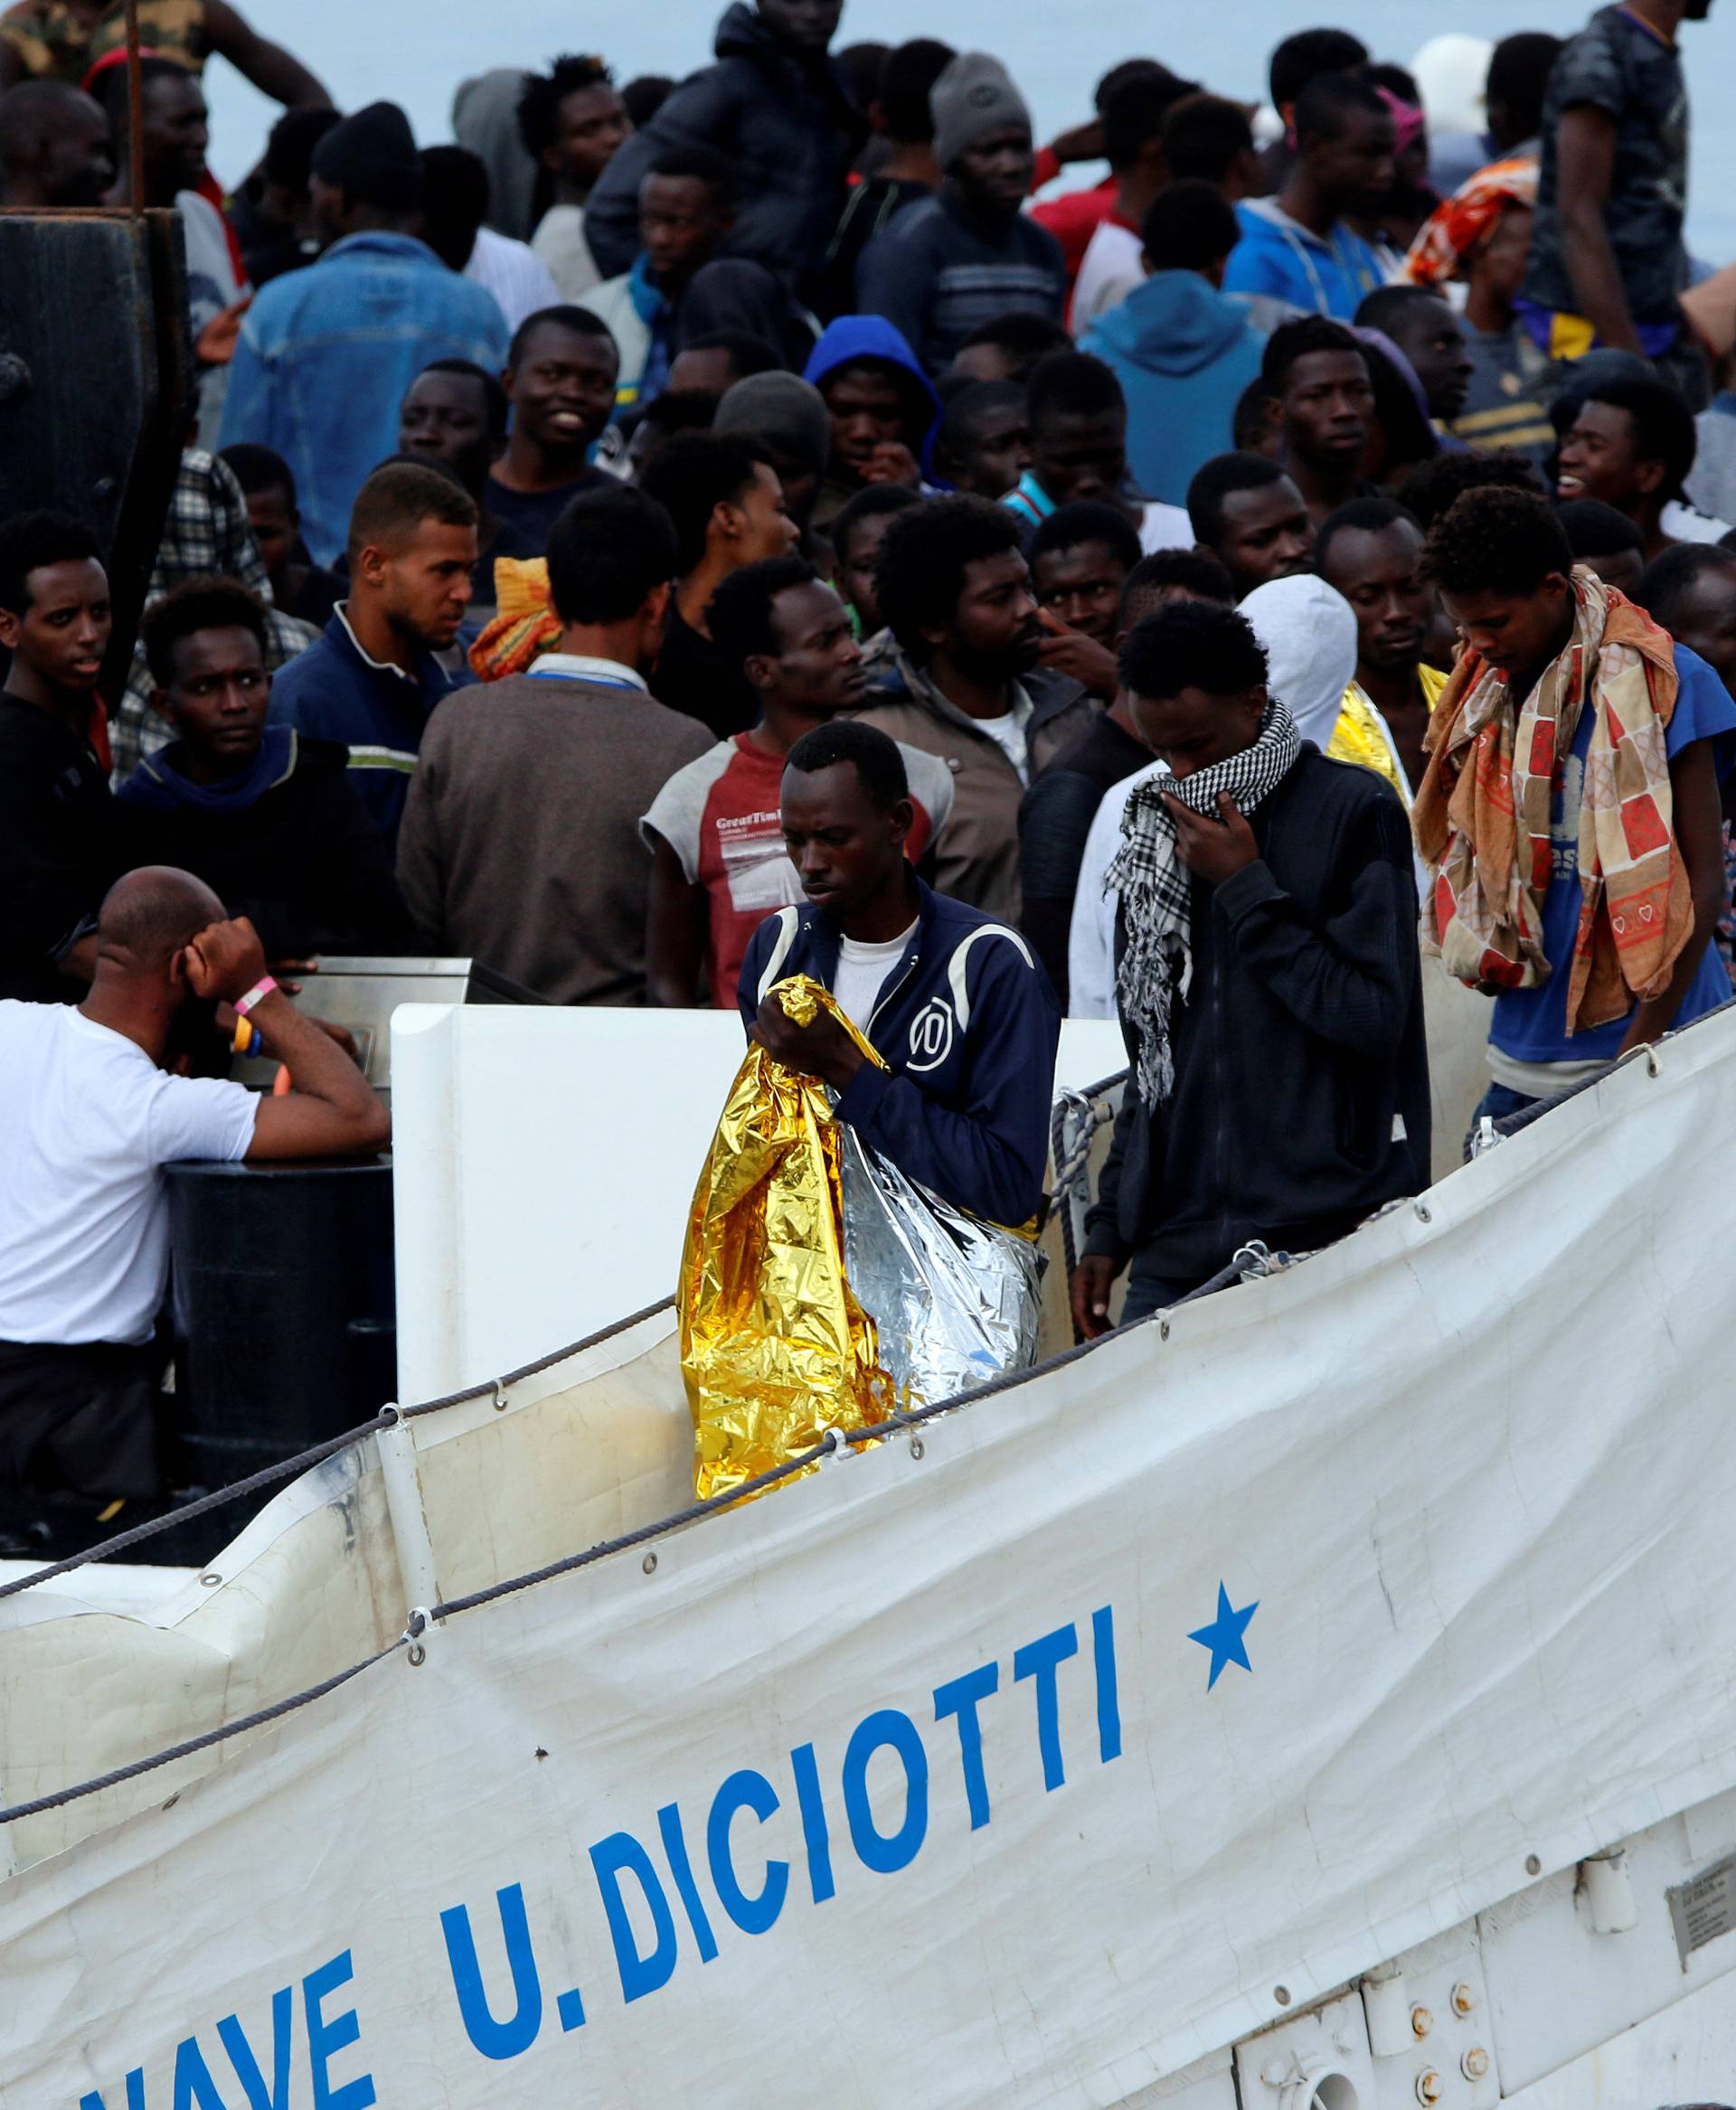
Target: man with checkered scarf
[{"x": 1267, "y": 981}]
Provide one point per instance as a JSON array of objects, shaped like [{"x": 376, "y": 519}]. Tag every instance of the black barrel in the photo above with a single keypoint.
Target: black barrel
[{"x": 284, "y": 1306}]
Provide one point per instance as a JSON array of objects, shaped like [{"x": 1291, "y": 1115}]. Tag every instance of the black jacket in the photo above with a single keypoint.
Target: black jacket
[
  {"x": 1301, "y": 1098},
  {"x": 59, "y": 849},
  {"x": 868, "y": 212},
  {"x": 788, "y": 130},
  {"x": 1055, "y": 818},
  {"x": 693, "y": 677},
  {"x": 302, "y": 861}
]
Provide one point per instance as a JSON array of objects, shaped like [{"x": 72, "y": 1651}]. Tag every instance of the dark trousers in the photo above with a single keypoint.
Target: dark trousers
[
  {"x": 1148, "y": 1293},
  {"x": 78, "y": 1421}
]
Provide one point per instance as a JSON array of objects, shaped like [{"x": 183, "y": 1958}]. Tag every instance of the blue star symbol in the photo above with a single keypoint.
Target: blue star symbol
[{"x": 1223, "y": 1637}]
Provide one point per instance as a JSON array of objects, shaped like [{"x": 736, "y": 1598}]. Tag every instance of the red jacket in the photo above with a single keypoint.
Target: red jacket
[{"x": 1074, "y": 216}]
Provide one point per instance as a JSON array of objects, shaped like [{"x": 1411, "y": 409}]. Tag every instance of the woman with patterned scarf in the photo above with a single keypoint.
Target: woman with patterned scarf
[
  {"x": 1569, "y": 813},
  {"x": 1267, "y": 980}
]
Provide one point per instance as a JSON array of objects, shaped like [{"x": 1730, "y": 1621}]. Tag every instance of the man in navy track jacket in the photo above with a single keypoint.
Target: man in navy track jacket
[{"x": 953, "y": 1002}]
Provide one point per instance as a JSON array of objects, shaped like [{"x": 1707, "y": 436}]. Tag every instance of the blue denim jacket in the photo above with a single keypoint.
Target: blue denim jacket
[{"x": 325, "y": 355}]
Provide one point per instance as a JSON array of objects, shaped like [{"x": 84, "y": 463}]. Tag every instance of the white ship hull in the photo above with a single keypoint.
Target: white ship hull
[{"x": 912, "y": 1783}]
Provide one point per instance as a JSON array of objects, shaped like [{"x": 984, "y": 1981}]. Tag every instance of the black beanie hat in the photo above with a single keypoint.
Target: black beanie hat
[{"x": 373, "y": 156}]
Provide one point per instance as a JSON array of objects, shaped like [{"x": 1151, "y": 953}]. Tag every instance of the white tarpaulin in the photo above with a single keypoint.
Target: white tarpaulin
[{"x": 1021, "y": 1762}]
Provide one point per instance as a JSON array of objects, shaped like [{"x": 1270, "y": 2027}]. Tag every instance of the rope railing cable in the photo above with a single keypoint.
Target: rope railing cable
[
  {"x": 1088, "y": 1111},
  {"x": 286, "y": 1468},
  {"x": 830, "y": 1446},
  {"x": 1076, "y": 1102},
  {"x": 304, "y": 1461},
  {"x": 1071, "y": 1158},
  {"x": 267, "y": 1476},
  {"x": 1650, "y": 1050},
  {"x": 194, "y": 1745},
  {"x": 827, "y": 1447},
  {"x": 122, "y": 1542},
  {"x": 542, "y": 1362}
]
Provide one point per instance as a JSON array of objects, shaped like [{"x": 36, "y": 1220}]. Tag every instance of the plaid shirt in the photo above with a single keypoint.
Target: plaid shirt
[{"x": 205, "y": 535}]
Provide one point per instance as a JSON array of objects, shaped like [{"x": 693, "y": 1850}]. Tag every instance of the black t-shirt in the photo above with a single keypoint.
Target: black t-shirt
[
  {"x": 267, "y": 250},
  {"x": 532, "y": 514},
  {"x": 691, "y": 677},
  {"x": 497, "y": 538},
  {"x": 315, "y": 599},
  {"x": 1055, "y": 818},
  {"x": 59, "y": 847},
  {"x": 868, "y": 212},
  {"x": 1617, "y": 65}
]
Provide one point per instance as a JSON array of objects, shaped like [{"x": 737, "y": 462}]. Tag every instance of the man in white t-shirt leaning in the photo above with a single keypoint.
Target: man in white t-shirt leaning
[{"x": 92, "y": 1118}]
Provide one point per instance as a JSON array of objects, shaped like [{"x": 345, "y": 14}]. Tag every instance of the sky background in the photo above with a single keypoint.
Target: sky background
[{"x": 415, "y": 53}]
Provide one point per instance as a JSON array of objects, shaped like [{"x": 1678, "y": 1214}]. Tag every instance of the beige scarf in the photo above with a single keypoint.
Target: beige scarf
[{"x": 1482, "y": 815}]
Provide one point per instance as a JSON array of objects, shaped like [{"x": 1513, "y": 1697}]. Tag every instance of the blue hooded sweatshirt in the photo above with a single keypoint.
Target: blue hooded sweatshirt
[
  {"x": 1183, "y": 353},
  {"x": 1279, "y": 257},
  {"x": 871, "y": 337}
]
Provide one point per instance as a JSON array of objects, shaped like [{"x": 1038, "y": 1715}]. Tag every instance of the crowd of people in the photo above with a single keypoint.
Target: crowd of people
[{"x": 683, "y": 533}]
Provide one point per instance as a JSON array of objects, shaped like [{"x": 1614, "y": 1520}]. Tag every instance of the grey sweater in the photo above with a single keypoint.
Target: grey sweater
[{"x": 520, "y": 845}]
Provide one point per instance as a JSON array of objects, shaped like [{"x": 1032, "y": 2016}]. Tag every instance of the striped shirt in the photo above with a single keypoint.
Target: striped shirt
[
  {"x": 938, "y": 272},
  {"x": 1501, "y": 408}
]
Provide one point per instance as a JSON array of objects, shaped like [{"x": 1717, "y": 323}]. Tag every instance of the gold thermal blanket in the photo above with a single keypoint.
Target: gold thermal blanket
[{"x": 774, "y": 1348}]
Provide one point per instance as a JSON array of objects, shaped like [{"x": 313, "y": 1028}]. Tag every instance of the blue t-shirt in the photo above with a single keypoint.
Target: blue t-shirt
[{"x": 1531, "y": 1024}]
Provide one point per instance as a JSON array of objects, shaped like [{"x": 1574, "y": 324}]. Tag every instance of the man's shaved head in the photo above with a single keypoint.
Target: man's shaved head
[
  {"x": 148, "y": 917},
  {"x": 31, "y": 113},
  {"x": 54, "y": 148}
]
